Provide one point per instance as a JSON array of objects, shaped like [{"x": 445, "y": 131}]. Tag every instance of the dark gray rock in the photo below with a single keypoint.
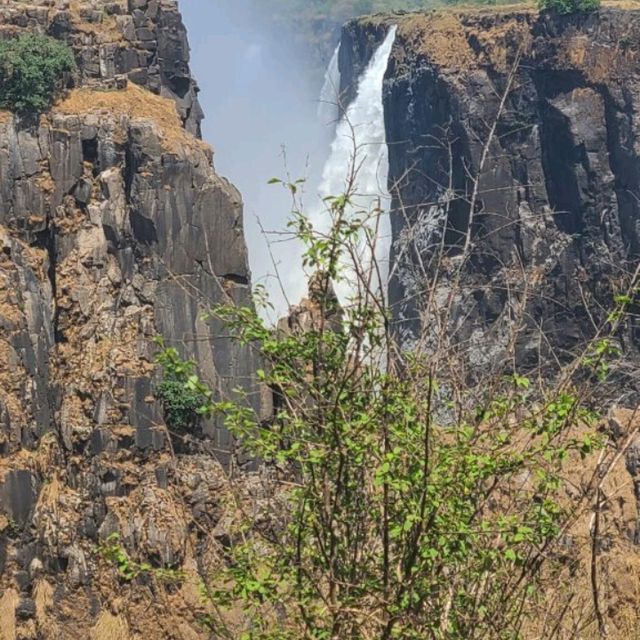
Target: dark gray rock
[
  {"x": 18, "y": 494},
  {"x": 555, "y": 230},
  {"x": 26, "y": 609}
]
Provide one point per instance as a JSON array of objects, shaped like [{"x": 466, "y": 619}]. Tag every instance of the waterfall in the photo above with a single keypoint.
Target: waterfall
[
  {"x": 360, "y": 142},
  {"x": 329, "y": 105}
]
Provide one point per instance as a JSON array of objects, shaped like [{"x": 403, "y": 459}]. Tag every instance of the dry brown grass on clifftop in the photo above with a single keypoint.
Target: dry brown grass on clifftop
[
  {"x": 460, "y": 40},
  {"x": 136, "y": 103},
  {"x": 441, "y": 37},
  {"x": 110, "y": 627}
]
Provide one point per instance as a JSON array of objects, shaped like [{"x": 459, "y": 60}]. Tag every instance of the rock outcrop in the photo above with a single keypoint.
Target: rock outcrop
[
  {"x": 514, "y": 151},
  {"x": 114, "y": 229},
  {"x": 523, "y": 127}
]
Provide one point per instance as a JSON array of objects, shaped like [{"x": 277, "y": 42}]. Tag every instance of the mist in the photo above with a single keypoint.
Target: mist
[{"x": 260, "y": 101}]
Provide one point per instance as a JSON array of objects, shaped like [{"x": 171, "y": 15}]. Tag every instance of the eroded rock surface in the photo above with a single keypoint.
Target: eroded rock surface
[
  {"x": 531, "y": 120},
  {"x": 114, "y": 229}
]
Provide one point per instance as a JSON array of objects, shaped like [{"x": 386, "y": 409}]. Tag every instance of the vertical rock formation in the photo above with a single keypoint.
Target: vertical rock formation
[
  {"x": 114, "y": 228},
  {"x": 531, "y": 120}
]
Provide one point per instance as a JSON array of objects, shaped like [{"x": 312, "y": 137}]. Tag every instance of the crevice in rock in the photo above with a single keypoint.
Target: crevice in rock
[
  {"x": 91, "y": 154},
  {"x": 144, "y": 229},
  {"x": 181, "y": 85},
  {"x": 46, "y": 240},
  {"x": 236, "y": 278},
  {"x": 560, "y": 156},
  {"x": 625, "y": 170}
]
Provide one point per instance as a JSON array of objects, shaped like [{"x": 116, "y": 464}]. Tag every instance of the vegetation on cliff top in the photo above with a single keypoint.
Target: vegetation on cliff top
[
  {"x": 342, "y": 10},
  {"x": 315, "y": 24},
  {"x": 564, "y": 7},
  {"x": 32, "y": 69}
]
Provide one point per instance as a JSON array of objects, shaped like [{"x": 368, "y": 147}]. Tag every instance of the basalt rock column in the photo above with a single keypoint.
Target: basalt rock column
[{"x": 114, "y": 229}]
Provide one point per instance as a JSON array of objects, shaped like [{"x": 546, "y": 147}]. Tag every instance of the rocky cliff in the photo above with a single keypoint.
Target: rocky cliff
[
  {"x": 521, "y": 129},
  {"x": 514, "y": 173},
  {"x": 114, "y": 229},
  {"x": 514, "y": 149}
]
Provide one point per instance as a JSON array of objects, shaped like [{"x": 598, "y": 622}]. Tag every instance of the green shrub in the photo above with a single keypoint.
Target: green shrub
[
  {"x": 180, "y": 402},
  {"x": 31, "y": 72},
  {"x": 564, "y": 7},
  {"x": 406, "y": 505},
  {"x": 114, "y": 552},
  {"x": 180, "y": 405}
]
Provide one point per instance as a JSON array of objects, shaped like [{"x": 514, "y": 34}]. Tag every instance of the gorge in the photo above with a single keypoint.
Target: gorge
[{"x": 496, "y": 149}]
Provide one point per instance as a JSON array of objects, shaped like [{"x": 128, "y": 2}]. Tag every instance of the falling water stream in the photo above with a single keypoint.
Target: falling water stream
[
  {"x": 329, "y": 105},
  {"x": 360, "y": 145},
  {"x": 269, "y": 123}
]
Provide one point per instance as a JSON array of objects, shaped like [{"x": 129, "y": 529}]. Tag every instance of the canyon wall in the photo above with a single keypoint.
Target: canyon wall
[
  {"x": 514, "y": 153},
  {"x": 114, "y": 229},
  {"x": 516, "y": 133},
  {"x": 523, "y": 128}
]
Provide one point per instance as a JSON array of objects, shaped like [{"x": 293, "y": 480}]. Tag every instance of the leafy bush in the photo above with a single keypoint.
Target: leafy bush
[
  {"x": 32, "y": 68},
  {"x": 180, "y": 402},
  {"x": 114, "y": 552},
  {"x": 564, "y": 7},
  {"x": 405, "y": 504}
]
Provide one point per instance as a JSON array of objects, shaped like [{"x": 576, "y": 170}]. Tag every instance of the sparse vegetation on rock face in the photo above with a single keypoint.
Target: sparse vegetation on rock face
[
  {"x": 112, "y": 226},
  {"x": 315, "y": 25},
  {"x": 32, "y": 70},
  {"x": 564, "y": 7},
  {"x": 179, "y": 402}
]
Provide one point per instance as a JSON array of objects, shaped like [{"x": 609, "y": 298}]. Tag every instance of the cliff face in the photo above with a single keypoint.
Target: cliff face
[
  {"x": 114, "y": 228},
  {"x": 531, "y": 121},
  {"x": 514, "y": 148}
]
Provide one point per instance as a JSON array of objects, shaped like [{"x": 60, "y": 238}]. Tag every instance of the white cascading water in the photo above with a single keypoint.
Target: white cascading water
[
  {"x": 329, "y": 105},
  {"x": 360, "y": 143}
]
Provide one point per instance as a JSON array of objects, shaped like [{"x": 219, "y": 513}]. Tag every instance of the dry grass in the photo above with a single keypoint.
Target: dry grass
[
  {"x": 43, "y": 597},
  {"x": 445, "y": 37},
  {"x": 441, "y": 37},
  {"x": 134, "y": 103},
  {"x": 599, "y": 62},
  {"x": 12, "y": 376},
  {"x": 566, "y": 597},
  {"x": 110, "y": 627},
  {"x": 8, "y": 604},
  {"x": 106, "y": 30},
  {"x": 632, "y": 5}
]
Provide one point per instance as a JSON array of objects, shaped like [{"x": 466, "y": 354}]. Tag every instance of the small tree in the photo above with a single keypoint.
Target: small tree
[
  {"x": 565, "y": 7},
  {"x": 179, "y": 402},
  {"x": 32, "y": 69},
  {"x": 402, "y": 504},
  {"x": 403, "y": 498}
]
